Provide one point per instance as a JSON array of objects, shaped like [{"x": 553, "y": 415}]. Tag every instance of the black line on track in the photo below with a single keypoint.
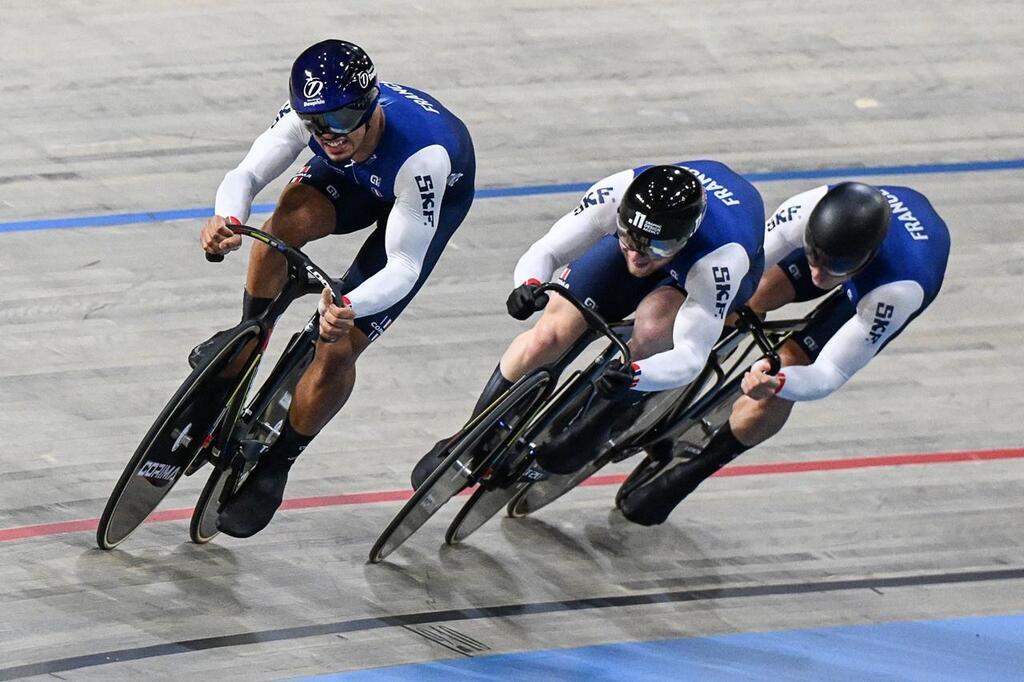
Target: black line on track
[{"x": 507, "y": 611}]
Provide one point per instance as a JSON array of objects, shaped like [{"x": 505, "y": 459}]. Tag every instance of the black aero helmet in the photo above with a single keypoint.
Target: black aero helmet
[
  {"x": 661, "y": 209},
  {"x": 846, "y": 228}
]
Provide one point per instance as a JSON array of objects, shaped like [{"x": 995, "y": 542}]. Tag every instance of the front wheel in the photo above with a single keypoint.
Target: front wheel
[
  {"x": 174, "y": 440},
  {"x": 458, "y": 469}
]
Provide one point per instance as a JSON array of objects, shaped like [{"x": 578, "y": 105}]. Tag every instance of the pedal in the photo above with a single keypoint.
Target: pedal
[
  {"x": 686, "y": 450},
  {"x": 251, "y": 450}
]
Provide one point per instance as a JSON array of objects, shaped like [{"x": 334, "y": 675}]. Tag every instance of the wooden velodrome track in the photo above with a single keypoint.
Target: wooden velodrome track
[{"x": 127, "y": 111}]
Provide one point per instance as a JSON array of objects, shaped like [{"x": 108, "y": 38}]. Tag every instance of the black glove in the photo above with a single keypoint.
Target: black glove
[
  {"x": 525, "y": 300},
  {"x": 616, "y": 380}
]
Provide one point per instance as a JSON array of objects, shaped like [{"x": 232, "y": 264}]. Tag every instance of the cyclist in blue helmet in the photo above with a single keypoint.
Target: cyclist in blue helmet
[{"x": 385, "y": 156}]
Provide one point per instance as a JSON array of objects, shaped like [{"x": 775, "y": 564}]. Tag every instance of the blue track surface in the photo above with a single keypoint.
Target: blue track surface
[
  {"x": 980, "y": 648},
  {"x": 532, "y": 190}
]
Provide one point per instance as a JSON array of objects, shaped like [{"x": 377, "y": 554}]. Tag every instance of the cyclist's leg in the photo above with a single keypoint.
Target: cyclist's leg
[
  {"x": 751, "y": 423},
  {"x": 317, "y": 202},
  {"x": 313, "y": 205},
  {"x": 615, "y": 293},
  {"x": 652, "y": 327}
]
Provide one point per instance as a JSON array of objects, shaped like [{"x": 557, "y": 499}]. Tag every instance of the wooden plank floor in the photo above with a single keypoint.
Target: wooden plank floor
[{"x": 109, "y": 109}]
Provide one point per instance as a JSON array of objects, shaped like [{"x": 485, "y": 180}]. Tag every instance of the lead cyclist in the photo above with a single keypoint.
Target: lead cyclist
[{"x": 383, "y": 155}]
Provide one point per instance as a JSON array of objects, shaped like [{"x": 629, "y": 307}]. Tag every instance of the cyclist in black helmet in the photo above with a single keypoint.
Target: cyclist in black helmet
[
  {"x": 886, "y": 247},
  {"x": 681, "y": 245}
]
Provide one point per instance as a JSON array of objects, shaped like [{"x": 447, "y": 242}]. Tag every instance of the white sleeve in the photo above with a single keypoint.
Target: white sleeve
[
  {"x": 785, "y": 227},
  {"x": 880, "y": 314},
  {"x": 711, "y": 285},
  {"x": 270, "y": 155},
  {"x": 576, "y": 231},
  {"x": 412, "y": 222}
]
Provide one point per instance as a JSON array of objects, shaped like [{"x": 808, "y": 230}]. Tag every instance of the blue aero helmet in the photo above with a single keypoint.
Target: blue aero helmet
[{"x": 333, "y": 87}]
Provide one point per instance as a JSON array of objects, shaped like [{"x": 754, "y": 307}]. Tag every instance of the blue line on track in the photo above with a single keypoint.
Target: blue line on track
[
  {"x": 529, "y": 190},
  {"x": 979, "y": 648}
]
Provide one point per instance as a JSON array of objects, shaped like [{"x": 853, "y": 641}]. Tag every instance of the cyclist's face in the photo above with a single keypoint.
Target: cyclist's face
[
  {"x": 638, "y": 263},
  {"x": 342, "y": 147},
  {"x": 824, "y": 280}
]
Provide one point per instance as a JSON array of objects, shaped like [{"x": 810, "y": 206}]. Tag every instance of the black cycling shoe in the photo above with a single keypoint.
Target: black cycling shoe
[
  {"x": 207, "y": 348},
  {"x": 651, "y": 503},
  {"x": 581, "y": 442},
  {"x": 431, "y": 461},
  {"x": 253, "y": 505}
]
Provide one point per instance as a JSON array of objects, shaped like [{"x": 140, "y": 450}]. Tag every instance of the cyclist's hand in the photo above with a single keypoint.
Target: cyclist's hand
[
  {"x": 616, "y": 379},
  {"x": 758, "y": 384},
  {"x": 525, "y": 301},
  {"x": 335, "y": 321},
  {"x": 217, "y": 238}
]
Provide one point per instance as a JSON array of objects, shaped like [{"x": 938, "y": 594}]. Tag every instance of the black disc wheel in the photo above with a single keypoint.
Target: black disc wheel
[
  {"x": 174, "y": 440},
  {"x": 457, "y": 470}
]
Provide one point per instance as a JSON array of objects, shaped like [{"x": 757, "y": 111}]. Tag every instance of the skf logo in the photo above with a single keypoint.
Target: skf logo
[
  {"x": 281, "y": 113},
  {"x": 313, "y": 87},
  {"x": 883, "y": 318},
  {"x": 783, "y": 217},
  {"x": 425, "y": 184},
  {"x": 723, "y": 288},
  {"x": 598, "y": 196}
]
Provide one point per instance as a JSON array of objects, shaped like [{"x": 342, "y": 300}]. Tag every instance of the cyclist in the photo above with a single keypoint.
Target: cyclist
[
  {"x": 383, "y": 154},
  {"x": 681, "y": 245},
  {"x": 886, "y": 247}
]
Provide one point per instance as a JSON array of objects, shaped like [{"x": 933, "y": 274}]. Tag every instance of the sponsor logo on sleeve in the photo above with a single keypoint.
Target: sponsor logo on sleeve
[
  {"x": 425, "y": 184},
  {"x": 281, "y": 113},
  {"x": 593, "y": 198},
  {"x": 783, "y": 216},
  {"x": 723, "y": 290},
  {"x": 883, "y": 318}
]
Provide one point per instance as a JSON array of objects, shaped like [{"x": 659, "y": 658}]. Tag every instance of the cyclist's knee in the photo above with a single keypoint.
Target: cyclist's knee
[
  {"x": 557, "y": 329},
  {"x": 792, "y": 354},
  {"x": 650, "y": 337},
  {"x": 301, "y": 215}
]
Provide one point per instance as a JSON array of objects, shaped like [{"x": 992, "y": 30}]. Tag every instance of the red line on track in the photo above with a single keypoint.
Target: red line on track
[{"x": 82, "y": 525}]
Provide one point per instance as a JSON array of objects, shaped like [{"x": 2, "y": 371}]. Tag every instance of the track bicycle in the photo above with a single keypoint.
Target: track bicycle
[
  {"x": 211, "y": 419},
  {"x": 493, "y": 448},
  {"x": 678, "y": 424}
]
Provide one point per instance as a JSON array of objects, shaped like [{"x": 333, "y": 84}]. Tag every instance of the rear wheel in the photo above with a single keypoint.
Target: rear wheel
[
  {"x": 457, "y": 470},
  {"x": 265, "y": 431},
  {"x": 174, "y": 441}
]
